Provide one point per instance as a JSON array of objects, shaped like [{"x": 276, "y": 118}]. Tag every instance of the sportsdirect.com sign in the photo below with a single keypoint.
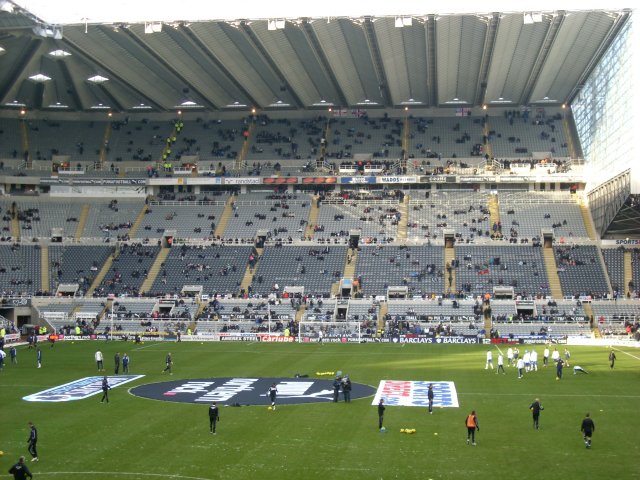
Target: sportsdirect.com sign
[
  {"x": 246, "y": 391},
  {"x": 415, "y": 393},
  {"x": 79, "y": 389}
]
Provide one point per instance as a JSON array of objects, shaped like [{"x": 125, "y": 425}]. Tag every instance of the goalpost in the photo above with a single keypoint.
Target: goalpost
[{"x": 334, "y": 332}]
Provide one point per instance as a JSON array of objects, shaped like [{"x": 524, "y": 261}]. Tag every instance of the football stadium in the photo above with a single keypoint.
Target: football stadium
[{"x": 291, "y": 241}]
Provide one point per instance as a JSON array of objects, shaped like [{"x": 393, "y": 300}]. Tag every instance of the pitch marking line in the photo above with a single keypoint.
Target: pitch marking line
[
  {"x": 483, "y": 394},
  {"x": 156, "y": 475},
  {"x": 626, "y": 353}
]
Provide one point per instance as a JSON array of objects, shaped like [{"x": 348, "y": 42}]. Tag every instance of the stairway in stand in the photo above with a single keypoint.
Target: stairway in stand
[
  {"x": 154, "y": 270},
  {"x": 628, "y": 270},
  {"x": 349, "y": 270},
  {"x": 136, "y": 225},
  {"x": 588, "y": 311},
  {"x": 588, "y": 221},
  {"x": 102, "y": 273},
  {"x": 382, "y": 313},
  {"x": 449, "y": 256},
  {"x": 488, "y": 322},
  {"x": 494, "y": 210},
  {"x": 240, "y": 161},
  {"x": 403, "y": 229},
  {"x": 82, "y": 221},
  {"x": 552, "y": 273},
  {"x": 313, "y": 217},
  {"x": 224, "y": 218},
  {"x": 44, "y": 268},
  {"x": 247, "y": 280}
]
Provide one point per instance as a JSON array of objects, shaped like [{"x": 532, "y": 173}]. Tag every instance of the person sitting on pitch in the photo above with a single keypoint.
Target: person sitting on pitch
[{"x": 578, "y": 368}]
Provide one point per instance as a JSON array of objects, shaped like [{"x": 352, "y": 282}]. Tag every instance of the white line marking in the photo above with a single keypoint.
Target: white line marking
[
  {"x": 626, "y": 353},
  {"x": 146, "y": 346},
  {"x": 161, "y": 475},
  {"x": 546, "y": 395}
]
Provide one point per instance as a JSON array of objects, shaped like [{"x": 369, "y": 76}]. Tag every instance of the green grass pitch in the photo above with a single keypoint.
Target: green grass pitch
[{"x": 135, "y": 438}]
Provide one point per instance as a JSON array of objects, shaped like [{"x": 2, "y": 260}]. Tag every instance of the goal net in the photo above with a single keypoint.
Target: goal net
[{"x": 330, "y": 332}]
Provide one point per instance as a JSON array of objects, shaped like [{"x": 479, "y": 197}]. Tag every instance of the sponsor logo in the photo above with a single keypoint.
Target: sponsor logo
[
  {"x": 422, "y": 339},
  {"x": 276, "y": 338},
  {"x": 397, "y": 179},
  {"x": 628, "y": 241},
  {"x": 79, "y": 389},
  {"x": 246, "y": 391},
  {"x": 357, "y": 180},
  {"x": 415, "y": 393},
  {"x": 242, "y": 181}
]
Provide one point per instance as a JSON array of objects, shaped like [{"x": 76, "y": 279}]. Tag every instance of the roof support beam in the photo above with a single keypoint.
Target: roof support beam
[
  {"x": 322, "y": 58},
  {"x": 378, "y": 65},
  {"x": 543, "y": 54},
  {"x": 170, "y": 69},
  {"x": 197, "y": 43},
  {"x": 487, "y": 55},
  {"x": 79, "y": 51},
  {"x": 16, "y": 70},
  {"x": 274, "y": 67},
  {"x": 432, "y": 78}
]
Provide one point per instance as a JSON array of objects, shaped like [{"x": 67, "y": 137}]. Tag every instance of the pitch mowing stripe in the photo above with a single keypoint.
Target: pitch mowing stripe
[{"x": 163, "y": 475}]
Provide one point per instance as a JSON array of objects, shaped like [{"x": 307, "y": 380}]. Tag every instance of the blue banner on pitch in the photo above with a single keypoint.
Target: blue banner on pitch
[
  {"x": 408, "y": 393},
  {"x": 79, "y": 389}
]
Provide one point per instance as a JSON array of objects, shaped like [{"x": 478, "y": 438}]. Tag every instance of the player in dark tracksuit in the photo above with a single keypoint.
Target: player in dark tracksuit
[
  {"x": 587, "y": 428},
  {"x": 337, "y": 383},
  {"x": 214, "y": 417},
  {"x": 535, "y": 408},
  {"x": 430, "y": 397},
  {"x": 116, "y": 360},
  {"x": 273, "y": 392},
  {"x": 346, "y": 388},
  {"x": 32, "y": 441},
  {"x": 381, "y": 408},
  {"x": 20, "y": 471},
  {"x": 612, "y": 359},
  {"x": 105, "y": 390},
  {"x": 559, "y": 366}
]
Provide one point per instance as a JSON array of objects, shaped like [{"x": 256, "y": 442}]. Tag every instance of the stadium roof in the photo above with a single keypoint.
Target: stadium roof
[{"x": 129, "y": 56}]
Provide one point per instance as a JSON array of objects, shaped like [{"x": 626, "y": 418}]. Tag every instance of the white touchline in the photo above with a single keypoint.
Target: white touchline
[
  {"x": 137, "y": 474},
  {"x": 626, "y": 353}
]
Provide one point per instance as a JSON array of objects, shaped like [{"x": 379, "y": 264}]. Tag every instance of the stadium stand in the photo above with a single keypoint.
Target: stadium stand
[
  {"x": 481, "y": 268},
  {"x": 581, "y": 271},
  {"x": 315, "y": 268},
  {"x": 20, "y": 270},
  {"x": 129, "y": 269},
  {"x": 219, "y": 270},
  {"x": 76, "y": 264},
  {"x": 420, "y": 269}
]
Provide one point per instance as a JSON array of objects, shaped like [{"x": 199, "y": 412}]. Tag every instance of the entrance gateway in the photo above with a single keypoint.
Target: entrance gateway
[{"x": 247, "y": 391}]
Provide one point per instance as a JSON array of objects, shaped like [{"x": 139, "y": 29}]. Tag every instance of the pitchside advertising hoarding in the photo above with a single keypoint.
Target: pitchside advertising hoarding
[
  {"x": 411, "y": 393},
  {"x": 436, "y": 340}
]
